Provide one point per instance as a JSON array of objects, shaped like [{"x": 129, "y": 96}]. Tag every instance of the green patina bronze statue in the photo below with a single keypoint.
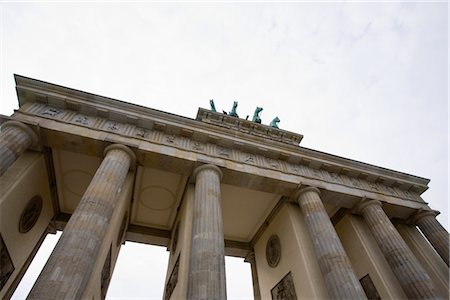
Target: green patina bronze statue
[
  {"x": 275, "y": 122},
  {"x": 256, "y": 117},
  {"x": 233, "y": 112},
  {"x": 213, "y": 107}
]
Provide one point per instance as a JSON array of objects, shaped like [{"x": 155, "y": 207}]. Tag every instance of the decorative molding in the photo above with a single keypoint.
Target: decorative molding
[{"x": 303, "y": 168}]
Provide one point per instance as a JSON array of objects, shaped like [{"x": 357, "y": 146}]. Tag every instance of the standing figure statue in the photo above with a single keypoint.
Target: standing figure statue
[
  {"x": 275, "y": 122},
  {"x": 233, "y": 112},
  {"x": 213, "y": 107},
  {"x": 256, "y": 117}
]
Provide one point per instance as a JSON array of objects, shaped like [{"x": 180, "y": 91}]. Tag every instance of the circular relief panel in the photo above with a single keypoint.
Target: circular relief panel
[
  {"x": 30, "y": 214},
  {"x": 273, "y": 251},
  {"x": 157, "y": 198}
]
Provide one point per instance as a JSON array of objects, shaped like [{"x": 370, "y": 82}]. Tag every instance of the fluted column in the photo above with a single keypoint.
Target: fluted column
[
  {"x": 207, "y": 257},
  {"x": 434, "y": 232},
  {"x": 250, "y": 258},
  {"x": 334, "y": 264},
  {"x": 15, "y": 138},
  {"x": 69, "y": 268},
  {"x": 411, "y": 275}
]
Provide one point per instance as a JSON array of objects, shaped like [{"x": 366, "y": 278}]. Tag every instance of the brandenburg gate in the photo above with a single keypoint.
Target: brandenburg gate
[{"x": 310, "y": 224}]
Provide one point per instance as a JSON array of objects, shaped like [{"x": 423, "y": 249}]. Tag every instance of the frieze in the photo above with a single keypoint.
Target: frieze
[{"x": 160, "y": 137}]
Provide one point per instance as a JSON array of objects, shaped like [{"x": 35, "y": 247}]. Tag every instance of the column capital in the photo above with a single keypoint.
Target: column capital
[
  {"x": 363, "y": 203},
  {"x": 124, "y": 148},
  {"x": 305, "y": 190},
  {"x": 250, "y": 257},
  {"x": 25, "y": 128},
  {"x": 421, "y": 213},
  {"x": 207, "y": 167}
]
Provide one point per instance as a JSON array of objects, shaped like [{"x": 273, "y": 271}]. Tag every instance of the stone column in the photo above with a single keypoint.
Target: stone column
[
  {"x": 334, "y": 264},
  {"x": 207, "y": 257},
  {"x": 15, "y": 138},
  {"x": 250, "y": 258},
  {"x": 410, "y": 274},
  {"x": 69, "y": 268},
  {"x": 434, "y": 232}
]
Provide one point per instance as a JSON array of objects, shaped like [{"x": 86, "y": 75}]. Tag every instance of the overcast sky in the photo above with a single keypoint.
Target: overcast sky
[{"x": 366, "y": 81}]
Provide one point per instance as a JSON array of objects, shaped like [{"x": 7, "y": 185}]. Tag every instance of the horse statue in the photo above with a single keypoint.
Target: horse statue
[
  {"x": 233, "y": 112},
  {"x": 256, "y": 117},
  {"x": 275, "y": 122},
  {"x": 213, "y": 107}
]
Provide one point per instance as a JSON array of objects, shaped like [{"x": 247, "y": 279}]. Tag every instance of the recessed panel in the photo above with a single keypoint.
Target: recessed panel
[
  {"x": 244, "y": 211},
  {"x": 156, "y": 197},
  {"x": 74, "y": 172}
]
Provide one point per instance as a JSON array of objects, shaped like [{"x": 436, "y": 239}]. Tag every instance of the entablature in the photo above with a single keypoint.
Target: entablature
[{"x": 51, "y": 102}]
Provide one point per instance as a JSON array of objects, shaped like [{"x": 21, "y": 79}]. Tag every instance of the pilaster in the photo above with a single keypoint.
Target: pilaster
[{"x": 251, "y": 259}]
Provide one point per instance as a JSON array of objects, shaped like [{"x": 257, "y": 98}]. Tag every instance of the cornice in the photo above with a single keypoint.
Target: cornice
[{"x": 89, "y": 110}]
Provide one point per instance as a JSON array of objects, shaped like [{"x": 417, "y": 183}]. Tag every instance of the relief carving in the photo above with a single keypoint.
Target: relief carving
[
  {"x": 223, "y": 151},
  {"x": 294, "y": 168},
  {"x": 170, "y": 139},
  {"x": 273, "y": 163},
  {"x": 113, "y": 126},
  {"x": 285, "y": 289},
  {"x": 173, "y": 280},
  {"x": 141, "y": 133},
  {"x": 53, "y": 112},
  {"x": 198, "y": 146},
  {"x": 6, "y": 264},
  {"x": 82, "y": 120},
  {"x": 30, "y": 214},
  {"x": 273, "y": 251},
  {"x": 249, "y": 158}
]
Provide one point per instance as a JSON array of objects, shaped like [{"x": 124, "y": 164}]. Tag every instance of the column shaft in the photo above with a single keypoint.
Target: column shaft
[
  {"x": 207, "y": 256},
  {"x": 435, "y": 233},
  {"x": 412, "y": 277},
  {"x": 69, "y": 268},
  {"x": 334, "y": 264},
  {"x": 251, "y": 259},
  {"x": 15, "y": 138}
]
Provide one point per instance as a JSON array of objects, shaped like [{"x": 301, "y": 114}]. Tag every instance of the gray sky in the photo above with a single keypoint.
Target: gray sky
[{"x": 366, "y": 81}]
